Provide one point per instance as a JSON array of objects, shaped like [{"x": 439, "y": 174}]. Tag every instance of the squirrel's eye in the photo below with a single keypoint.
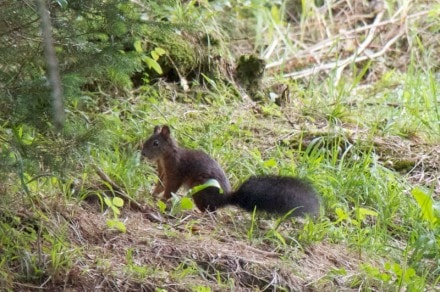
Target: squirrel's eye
[{"x": 155, "y": 143}]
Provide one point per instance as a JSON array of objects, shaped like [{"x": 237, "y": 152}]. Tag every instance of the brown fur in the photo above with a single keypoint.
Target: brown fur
[{"x": 179, "y": 166}]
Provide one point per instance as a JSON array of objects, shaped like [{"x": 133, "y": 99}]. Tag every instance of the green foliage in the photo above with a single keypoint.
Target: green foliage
[
  {"x": 31, "y": 249},
  {"x": 207, "y": 184},
  {"x": 114, "y": 205},
  {"x": 201, "y": 289},
  {"x": 250, "y": 233},
  {"x": 151, "y": 61},
  {"x": 429, "y": 209},
  {"x": 329, "y": 131},
  {"x": 393, "y": 274},
  {"x": 178, "y": 205}
]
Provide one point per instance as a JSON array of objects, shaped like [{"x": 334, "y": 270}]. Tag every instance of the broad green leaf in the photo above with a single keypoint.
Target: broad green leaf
[
  {"x": 426, "y": 204},
  {"x": 186, "y": 204},
  {"x": 162, "y": 206},
  {"x": 160, "y": 51},
  {"x": 108, "y": 202},
  {"x": 270, "y": 163},
  {"x": 341, "y": 215},
  {"x": 152, "y": 64},
  {"x": 120, "y": 226},
  {"x": 409, "y": 274},
  {"x": 138, "y": 46},
  {"x": 116, "y": 211},
  {"x": 209, "y": 183},
  {"x": 155, "y": 55},
  {"x": 118, "y": 202}
]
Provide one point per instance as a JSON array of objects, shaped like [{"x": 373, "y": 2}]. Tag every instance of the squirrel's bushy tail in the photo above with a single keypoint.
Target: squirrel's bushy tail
[
  {"x": 271, "y": 194},
  {"x": 210, "y": 199},
  {"x": 278, "y": 195}
]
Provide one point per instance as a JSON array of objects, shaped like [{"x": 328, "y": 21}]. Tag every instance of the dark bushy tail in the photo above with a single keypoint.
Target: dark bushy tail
[
  {"x": 278, "y": 195},
  {"x": 210, "y": 199},
  {"x": 272, "y": 194}
]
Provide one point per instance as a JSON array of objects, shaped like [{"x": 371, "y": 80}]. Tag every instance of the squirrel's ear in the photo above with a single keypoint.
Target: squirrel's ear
[
  {"x": 156, "y": 130},
  {"x": 165, "y": 131}
]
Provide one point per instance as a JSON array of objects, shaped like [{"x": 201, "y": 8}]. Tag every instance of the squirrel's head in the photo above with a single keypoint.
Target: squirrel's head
[{"x": 158, "y": 143}]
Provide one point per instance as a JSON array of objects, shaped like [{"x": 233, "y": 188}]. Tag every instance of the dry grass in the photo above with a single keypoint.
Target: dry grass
[
  {"x": 340, "y": 34},
  {"x": 161, "y": 247}
]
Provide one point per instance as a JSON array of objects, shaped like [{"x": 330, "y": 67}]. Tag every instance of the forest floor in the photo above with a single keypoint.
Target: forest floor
[{"x": 353, "y": 107}]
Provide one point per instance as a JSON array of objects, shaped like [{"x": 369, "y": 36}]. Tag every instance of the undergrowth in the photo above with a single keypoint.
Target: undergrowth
[{"x": 368, "y": 143}]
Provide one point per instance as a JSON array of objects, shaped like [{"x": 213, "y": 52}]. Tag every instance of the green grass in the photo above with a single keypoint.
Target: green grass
[
  {"x": 368, "y": 208},
  {"x": 361, "y": 144}
]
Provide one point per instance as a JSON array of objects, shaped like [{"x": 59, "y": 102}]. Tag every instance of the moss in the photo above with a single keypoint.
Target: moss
[
  {"x": 249, "y": 73},
  {"x": 182, "y": 46}
]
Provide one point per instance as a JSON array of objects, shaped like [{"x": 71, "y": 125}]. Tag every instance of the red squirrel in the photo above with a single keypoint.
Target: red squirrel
[{"x": 178, "y": 166}]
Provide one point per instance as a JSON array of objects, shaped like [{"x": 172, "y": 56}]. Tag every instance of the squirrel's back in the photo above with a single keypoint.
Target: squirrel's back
[{"x": 277, "y": 194}]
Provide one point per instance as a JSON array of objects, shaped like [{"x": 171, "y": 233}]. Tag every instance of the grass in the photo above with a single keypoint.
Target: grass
[
  {"x": 368, "y": 207},
  {"x": 370, "y": 147}
]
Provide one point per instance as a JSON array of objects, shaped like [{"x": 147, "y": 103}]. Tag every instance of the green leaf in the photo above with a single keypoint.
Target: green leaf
[
  {"x": 209, "y": 183},
  {"x": 108, "y": 202},
  {"x": 426, "y": 204},
  {"x": 152, "y": 64},
  {"x": 138, "y": 46},
  {"x": 409, "y": 274},
  {"x": 276, "y": 15},
  {"x": 120, "y": 226},
  {"x": 155, "y": 55},
  {"x": 20, "y": 131},
  {"x": 366, "y": 212},
  {"x": 162, "y": 206},
  {"x": 62, "y": 3},
  {"x": 186, "y": 204},
  {"x": 341, "y": 215},
  {"x": 201, "y": 289},
  {"x": 270, "y": 163},
  {"x": 116, "y": 224},
  {"x": 157, "y": 52},
  {"x": 118, "y": 202},
  {"x": 115, "y": 210},
  {"x": 160, "y": 51},
  {"x": 280, "y": 237}
]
